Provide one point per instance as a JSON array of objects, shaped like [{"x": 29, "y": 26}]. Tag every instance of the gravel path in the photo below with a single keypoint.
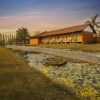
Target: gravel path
[{"x": 84, "y": 56}]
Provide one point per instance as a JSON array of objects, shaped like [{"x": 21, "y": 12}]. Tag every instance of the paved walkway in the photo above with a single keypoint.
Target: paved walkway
[{"x": 84, "y": 56}]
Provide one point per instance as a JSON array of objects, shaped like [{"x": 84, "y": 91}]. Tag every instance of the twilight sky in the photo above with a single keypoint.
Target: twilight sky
[{"x": 45, "y": 15}]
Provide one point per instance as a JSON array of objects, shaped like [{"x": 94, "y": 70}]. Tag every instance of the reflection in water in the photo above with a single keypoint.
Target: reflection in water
[{"x": 36, "y": 60}]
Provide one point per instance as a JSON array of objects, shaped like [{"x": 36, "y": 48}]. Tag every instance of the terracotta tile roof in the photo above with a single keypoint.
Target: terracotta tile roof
[
  {"x": 63, "y": 31},
  {"x": 36, "y": 35}
]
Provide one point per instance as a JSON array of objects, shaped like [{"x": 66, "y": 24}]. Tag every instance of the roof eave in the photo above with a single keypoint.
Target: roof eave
[{"x": 61, "y": 33}]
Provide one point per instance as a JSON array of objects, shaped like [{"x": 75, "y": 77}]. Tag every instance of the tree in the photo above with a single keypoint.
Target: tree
[
  {"x": 98, "y": 31},
  {"x": 11, "y": 41},
  {"x": 0, "y": 37},
  {"x": 22, "y": 35},
  {"x": 93, "y": 23},
  {"x": 75, "y": 38},
  {"x": 2, "y": 41}
]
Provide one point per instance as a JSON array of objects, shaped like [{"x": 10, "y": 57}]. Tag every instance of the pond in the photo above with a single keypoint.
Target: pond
[
  {"x": 36, "y": 60},
  {"x": 82, "y": 78}
]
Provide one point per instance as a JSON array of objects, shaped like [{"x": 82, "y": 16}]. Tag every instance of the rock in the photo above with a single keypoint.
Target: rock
[{"x": 55, "y": 63}]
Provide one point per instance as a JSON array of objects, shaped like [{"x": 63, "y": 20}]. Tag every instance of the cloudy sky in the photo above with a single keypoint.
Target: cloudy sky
[{"x": 45, "y": 15}]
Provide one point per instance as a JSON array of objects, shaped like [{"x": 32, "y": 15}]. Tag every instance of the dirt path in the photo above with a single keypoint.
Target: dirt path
[{"x": 84, "y": 56}]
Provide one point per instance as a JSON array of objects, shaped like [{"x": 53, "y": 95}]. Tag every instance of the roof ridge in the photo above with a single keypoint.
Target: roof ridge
[{"x": 69, "y": 27}]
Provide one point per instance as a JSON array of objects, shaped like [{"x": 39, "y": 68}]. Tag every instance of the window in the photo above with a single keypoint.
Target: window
[
  {"x": 74, "y": 35},
  {"x": 78, "y": 35},
  {"x": 63, "y": 37}
]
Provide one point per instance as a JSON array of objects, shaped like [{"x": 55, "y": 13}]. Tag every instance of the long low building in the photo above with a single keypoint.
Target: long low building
[{"x": 81, "y": 33}]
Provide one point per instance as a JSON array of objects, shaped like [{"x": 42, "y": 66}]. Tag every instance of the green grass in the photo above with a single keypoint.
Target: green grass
[
  {"x": 83, "y": 47},
  {"x": 18, "y": 81}
]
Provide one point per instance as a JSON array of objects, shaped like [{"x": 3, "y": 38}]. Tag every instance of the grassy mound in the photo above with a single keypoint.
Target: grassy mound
[{"x": 55, "y": 62}]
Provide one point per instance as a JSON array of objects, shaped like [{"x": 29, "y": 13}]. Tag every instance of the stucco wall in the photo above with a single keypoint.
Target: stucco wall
[
  {"x": 62, "y": 38},
  {"x": 87, "y": 37},
  {"x": 34, "y": 41},
  {"x": 82, "y": 37}
]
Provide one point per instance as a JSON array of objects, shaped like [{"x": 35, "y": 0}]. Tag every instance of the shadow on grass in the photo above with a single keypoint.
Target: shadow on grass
[{"x": 30, "y": 84}]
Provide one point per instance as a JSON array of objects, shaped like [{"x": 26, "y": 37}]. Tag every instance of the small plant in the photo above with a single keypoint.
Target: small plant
[
  {"x": 75, "y": 38},
  {"x": 89, "y": 92},
  {"x": 44, "y": 70}
]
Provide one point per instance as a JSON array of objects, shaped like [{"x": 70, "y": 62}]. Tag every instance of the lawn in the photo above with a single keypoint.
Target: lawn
[
  {"x": 83, "y": 47},
  {"x": 18, "y": 81}
]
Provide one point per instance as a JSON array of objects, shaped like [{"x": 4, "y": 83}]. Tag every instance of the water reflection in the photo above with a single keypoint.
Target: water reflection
[{"x": 36, "y": 60}]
